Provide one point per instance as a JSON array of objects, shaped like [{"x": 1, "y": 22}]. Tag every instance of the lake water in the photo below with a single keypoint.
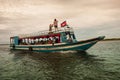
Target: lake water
[{"x": 101, "y": 62}]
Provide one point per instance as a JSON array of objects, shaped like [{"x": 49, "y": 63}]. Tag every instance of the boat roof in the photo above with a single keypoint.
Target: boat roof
[{"x": 46, "y": 32}]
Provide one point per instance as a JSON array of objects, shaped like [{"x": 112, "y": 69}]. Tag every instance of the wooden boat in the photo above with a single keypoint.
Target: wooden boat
[{"x": 52, "y": 41}]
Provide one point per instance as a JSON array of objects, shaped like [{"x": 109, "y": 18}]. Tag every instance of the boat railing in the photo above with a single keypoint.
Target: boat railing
[{"x": 45, "y": 32}]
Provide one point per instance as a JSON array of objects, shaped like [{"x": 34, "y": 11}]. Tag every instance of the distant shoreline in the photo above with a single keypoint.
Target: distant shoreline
[
  {"x": 111, "y": 39},
  {"x": 4, "y": 44}
]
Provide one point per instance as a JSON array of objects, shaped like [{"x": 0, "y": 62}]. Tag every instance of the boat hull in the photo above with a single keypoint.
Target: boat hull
[{"x": 80, "y": 45}]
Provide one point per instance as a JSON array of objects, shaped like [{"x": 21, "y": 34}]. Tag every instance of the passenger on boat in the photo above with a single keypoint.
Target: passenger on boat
[
  {"x": 53, "y": 40},
  {"x": 55, "y": 23},
  {"x": 49, "y": 41},
  {"x": 56, "y": 40},
  {"x": 50, "y": 27},
  {"x": 68, "y": 37},
  {"x": 70, "y": 40},
  {"x": 32, "y": 42},
  {"x": 43, "y": 41},
  {"x": 36, "y": 41}
]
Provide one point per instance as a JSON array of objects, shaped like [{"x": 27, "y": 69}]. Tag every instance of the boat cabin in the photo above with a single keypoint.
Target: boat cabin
[{"x": 63, "y": 35}]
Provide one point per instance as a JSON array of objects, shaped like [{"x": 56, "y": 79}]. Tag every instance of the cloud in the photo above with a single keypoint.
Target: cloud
[{"x": 27, "y": 16}]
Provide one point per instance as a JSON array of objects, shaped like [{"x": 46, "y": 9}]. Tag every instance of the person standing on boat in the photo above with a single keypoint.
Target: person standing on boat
[
  {"x": 50, "y": 27},
  {"x": 53, "y": 41},
  {"x": 55, "y": 23}
]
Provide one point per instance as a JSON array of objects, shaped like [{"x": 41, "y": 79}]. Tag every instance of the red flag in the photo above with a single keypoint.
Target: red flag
[{"x": 63, "y": 24}]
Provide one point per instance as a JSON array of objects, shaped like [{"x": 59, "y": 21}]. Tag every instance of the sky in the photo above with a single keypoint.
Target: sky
[{"x": 89, "y": 18}]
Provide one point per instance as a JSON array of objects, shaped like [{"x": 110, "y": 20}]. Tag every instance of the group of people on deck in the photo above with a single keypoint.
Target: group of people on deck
[
  {"x": 55, "y": 25},
  {"x": 29, "y": 41}
]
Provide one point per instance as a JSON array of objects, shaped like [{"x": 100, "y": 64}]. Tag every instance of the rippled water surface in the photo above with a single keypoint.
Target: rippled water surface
[{"x": 101, "y": 62}]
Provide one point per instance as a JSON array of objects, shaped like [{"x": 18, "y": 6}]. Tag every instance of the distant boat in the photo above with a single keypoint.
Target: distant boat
[{"x": 52, "y": 41}]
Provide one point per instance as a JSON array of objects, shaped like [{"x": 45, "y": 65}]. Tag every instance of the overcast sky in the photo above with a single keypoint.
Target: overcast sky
[{"x": 89, "y": 18}]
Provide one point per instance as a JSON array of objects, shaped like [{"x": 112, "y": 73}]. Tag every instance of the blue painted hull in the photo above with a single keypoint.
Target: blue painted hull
[{"x": 80, "y": 45}]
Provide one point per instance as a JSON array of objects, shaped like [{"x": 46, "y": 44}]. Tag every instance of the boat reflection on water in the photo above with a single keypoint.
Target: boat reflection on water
[
  {"x": 58, "y": 66},
  {"x": 52, "y": 56}
]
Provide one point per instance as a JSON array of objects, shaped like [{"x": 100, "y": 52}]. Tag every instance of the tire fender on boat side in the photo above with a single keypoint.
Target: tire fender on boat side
[{"x": 30, "y": 48}]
